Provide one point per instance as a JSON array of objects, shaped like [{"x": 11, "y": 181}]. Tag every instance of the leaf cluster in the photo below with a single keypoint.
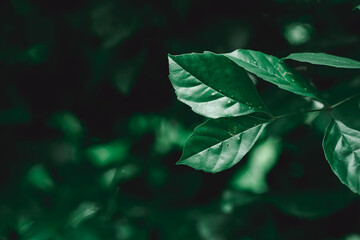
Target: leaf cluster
[{"x": 218, "y": 86}]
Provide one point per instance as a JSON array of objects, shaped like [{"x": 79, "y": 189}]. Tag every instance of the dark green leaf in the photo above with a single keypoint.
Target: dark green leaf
[
  {"x": 219, "y": 144},
  {"x": 324, "y": 59},
  {"x": 273, "y": 70},
  {"x": 213, "y": 86},
  {"x": 342, "y": 150}
]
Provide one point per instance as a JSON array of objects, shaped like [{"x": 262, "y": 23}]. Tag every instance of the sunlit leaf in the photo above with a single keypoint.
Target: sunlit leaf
[
  {"x": 219, "y": 144},
  {"x": 261, "y": 160},
  {"x": 213, "y": 86},
  {"x": 324, "y": 59},
  {"x": 271, "y": 69},
  {"x": 342, "y": 150}
]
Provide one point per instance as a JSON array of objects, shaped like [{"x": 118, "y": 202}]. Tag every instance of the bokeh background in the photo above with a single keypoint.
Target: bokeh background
[{"x": 90, "y": 127}]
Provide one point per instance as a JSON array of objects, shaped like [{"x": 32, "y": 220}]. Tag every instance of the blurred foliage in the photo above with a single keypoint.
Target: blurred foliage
[{"x": 91, "y": 128}]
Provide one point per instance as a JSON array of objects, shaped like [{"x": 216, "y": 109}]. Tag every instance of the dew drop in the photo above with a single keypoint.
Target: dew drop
[
  {"x": 229, "y": 101},
  {"x": 250, "y": 107},
  {"x": 213, "y": 93}
]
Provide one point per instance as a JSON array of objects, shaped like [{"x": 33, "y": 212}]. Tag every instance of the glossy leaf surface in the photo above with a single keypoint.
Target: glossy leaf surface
[
  {"x": 218, "y": 144},
  {"x": 324, "y": 59},
  {"x": 342, "y": 150},
  {"x": 213, "y": 86},
  {"x": 271, "y": 69}
]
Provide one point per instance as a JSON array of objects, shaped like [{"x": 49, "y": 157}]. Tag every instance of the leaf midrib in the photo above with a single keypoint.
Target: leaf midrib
[
  {"x": 225, "y": 95},
  {"x": 265, "y": 70},
  {"x": 332, "y": 59},
  {"x": 236, "y": 135}
]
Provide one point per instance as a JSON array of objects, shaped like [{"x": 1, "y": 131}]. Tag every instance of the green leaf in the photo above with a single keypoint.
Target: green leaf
[
  {"x": 213, "y": 86},
  {"x": 219, "y": 144},
  {"x": 342, "y": 150},
  {"x": 324, "y": 59},
  {"x": 273, "y": 70}
]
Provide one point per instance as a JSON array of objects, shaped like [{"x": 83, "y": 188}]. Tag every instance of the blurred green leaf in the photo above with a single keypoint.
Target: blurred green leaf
[
  {"x": 105, "y": 154},
  {"x": 24, "y": 225},
  {"x": 324, "y": 59},
  {"x": 342, "y": 148},
  {"x": 39, "y": 177},
  {"x": 115, "y": 175},
  {"x": 354, "y": 236},
  {"x": 261, "y": 160},
  {"x": 168, "y": 135},
  {"x": 271, "y": 69},
  {"x": 67, "y": 123},
  {"x": 38, "y": 53},
  {"x": 213, "y": 86},
  {"x": 219, "y": 144},
  {"x": 297, "y": 33},
  {"x": 83, "y": 212}
]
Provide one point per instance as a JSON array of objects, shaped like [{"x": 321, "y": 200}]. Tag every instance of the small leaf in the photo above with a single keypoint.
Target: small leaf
[
  {"x": 213, "y": 86},
  {"x": 341, "y": 146},
  {"x": 324, "y": 59},
  {"x": 273, "y": 70},
  {"x": 218, "y": 144}
]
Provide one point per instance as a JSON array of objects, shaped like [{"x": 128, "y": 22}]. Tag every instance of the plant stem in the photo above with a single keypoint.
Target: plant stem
[
  {"x": 345, "y": 100},
  {"x": 296, "y": 113},
  {"x": 327, "y": 108}
]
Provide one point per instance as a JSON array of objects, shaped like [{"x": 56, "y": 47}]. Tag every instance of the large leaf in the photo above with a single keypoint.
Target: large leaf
[
  {"x": 213, "y": 86},
  {"x": 324, "y": 59},
  {"x": 219, "y": 144},
  {"x": 342, "y": 150},
  {"x": 273, "y": 70}
]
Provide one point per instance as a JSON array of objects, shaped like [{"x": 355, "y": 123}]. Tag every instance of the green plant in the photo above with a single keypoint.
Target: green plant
[{"x": 217, "y": 86}]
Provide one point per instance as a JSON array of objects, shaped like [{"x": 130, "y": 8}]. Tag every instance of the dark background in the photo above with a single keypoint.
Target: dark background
[{"x": 90, "y": 127}]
